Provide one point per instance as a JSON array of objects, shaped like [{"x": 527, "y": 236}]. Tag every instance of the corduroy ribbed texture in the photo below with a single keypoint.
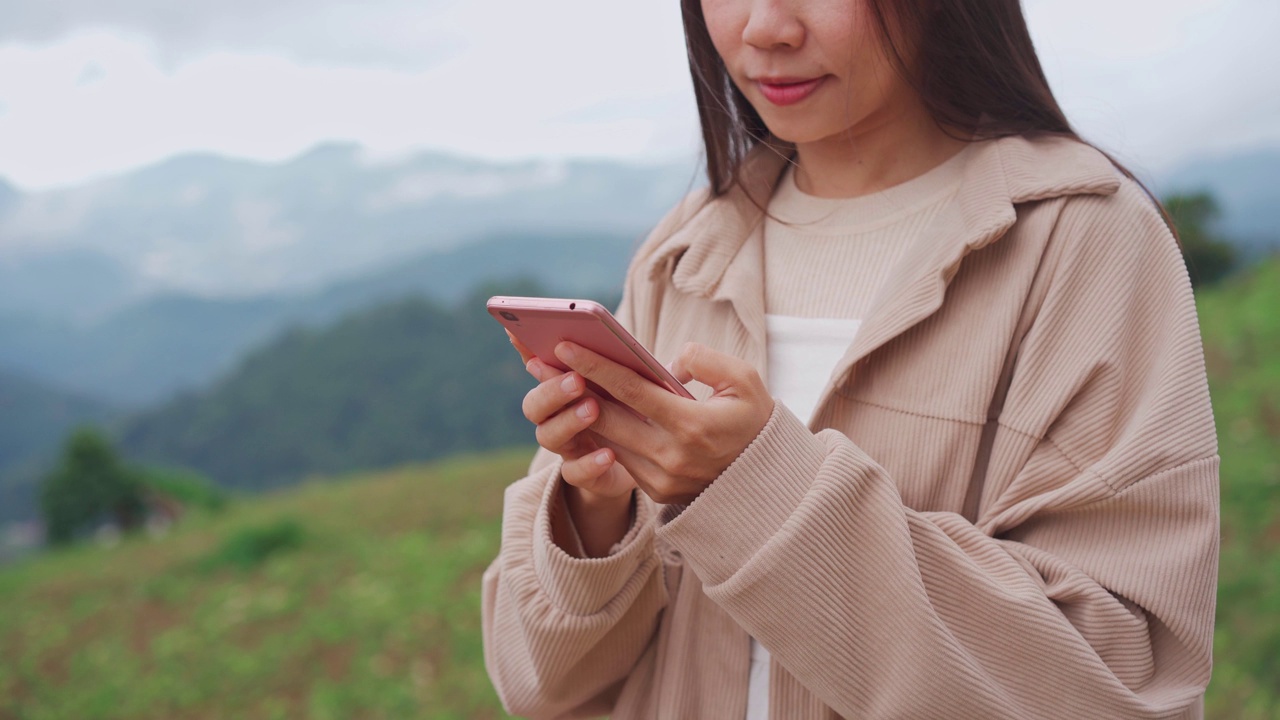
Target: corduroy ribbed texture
[
  {"x": 827, "y": 257},
  {"x": 1005, "y": 505}
]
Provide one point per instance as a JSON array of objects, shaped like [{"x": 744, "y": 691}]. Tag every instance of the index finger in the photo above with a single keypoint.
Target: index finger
[
  {"x": 525, "y": 354},
  {"x": 624, "y": 384}
]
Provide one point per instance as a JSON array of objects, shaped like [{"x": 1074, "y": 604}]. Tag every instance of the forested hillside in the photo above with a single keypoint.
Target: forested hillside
[
  {"x": 140, "y": 354},
  {"x": 412, "y": 380}
]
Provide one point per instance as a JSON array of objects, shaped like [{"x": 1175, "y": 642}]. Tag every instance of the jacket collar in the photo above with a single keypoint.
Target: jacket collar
[
  {"x": 718, "y": 253},
  {"x": 1001, "y": 174}
]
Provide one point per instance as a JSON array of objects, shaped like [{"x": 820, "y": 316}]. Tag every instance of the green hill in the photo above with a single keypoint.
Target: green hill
[
  {"x": 1240, "y": 323},
  {"x": 369, "y": 608},
  {"x": 409, "y": 381},
  {"x": 143, "y": 353}
]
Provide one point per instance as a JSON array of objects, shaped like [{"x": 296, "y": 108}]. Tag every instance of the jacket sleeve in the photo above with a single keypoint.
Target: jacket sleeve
[
  {"x": 1085, "y": 586},
  {"x": 562, "y": 633}
]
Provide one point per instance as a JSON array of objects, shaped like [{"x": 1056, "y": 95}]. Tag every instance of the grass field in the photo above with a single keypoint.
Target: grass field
[
  {"x": 1241, "y": 328},
  {"x": 359, "y": 597},
  {"x": 368, "y": 608}
]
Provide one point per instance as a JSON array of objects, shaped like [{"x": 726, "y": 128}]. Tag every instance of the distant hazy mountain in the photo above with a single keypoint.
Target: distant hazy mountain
[
  {"x": 1247, "y": 187},
  {"x": 216, "y": 227},
  {"x": 9, "y": 196},
  {"x": 143, "y": 353},
  {"x": 133, "y": 287},
  {"x": 73, "y": 284}
]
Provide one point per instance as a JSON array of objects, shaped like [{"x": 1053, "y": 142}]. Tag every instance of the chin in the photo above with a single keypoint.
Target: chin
[{"x": 798, "y": 133}]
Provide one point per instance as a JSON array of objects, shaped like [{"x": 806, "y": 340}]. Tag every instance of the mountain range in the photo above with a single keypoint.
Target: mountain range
[
  {"x": 145, "y": 352},
  {"x": 216, "y": 227}
]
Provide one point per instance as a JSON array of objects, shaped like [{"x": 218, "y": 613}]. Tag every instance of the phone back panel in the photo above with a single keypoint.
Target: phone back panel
[{"x": 542, "y": 323}]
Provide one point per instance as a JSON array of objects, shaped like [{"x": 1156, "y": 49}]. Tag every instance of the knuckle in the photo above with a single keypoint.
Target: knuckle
[
  {"x": 672, "y": 460},
  {"x": 585, "y": 364},
  {"x": 529, "y": 403},
  {"x": 687, "y": 431},
  {"x": 571, "y": 471},
  {"x": 630, "y": 390},
  {"x": 543, "y": 435},
  {"x": 555, "y": 433},
  {"x": 685, "y": 468}
]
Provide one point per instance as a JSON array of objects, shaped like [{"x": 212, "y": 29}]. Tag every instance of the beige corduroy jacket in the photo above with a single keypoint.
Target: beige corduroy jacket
[{"x": 1006, "y": 505}]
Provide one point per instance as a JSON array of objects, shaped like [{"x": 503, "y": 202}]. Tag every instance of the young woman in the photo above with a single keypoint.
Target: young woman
[{"x": 952, "y": 453}]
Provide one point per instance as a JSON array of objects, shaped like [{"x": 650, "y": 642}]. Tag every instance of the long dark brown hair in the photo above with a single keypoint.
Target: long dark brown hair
[{"x": 973, "y": 61}]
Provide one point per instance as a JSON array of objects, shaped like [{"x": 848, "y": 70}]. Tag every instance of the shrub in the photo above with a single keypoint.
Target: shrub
[
  {"x": 89, "y": 484},
  {"x": 251, "y": 546},
  {"x": 190, "y": 489}
]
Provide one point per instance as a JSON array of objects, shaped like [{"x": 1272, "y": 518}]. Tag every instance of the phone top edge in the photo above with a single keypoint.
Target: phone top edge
[{"x": 544, "y": 303}]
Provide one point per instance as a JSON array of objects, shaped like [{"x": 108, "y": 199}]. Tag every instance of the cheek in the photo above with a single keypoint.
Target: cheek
[
  {"x": 852, "y": 40},
  {"x": 725, "y": 20}
]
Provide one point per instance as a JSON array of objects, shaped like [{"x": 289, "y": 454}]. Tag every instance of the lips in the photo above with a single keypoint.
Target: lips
[{"x": 788, "y": 91}]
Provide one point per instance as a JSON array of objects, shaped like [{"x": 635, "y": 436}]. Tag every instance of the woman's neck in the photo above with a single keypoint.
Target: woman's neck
[{"x": 878, "y": 152}]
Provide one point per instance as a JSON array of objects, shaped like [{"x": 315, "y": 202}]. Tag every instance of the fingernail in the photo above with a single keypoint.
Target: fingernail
[
  {"x": 566, "y": 351},
  {"x": 602, "y": 457},
  {"x": 534, "y": 367},
  {"x": 583, "y": 411},
  {"x": 569, "y": 384}
]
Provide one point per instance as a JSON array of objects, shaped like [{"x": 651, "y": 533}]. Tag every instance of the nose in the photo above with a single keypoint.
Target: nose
[{"x": 773, "y": 24}]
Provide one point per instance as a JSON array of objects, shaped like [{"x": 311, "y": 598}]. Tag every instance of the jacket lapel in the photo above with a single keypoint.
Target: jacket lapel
[
  {"x": 981, "y": 213},
  {"x": 718, "y": 254}
]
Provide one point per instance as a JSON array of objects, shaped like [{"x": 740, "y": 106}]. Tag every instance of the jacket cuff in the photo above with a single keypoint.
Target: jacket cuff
[
  {"x": 749, "y": 502},
  {"x": 584, "y": 586}
]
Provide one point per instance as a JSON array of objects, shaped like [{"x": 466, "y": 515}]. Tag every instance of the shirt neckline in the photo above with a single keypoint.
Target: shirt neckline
[{"x": 810, "y": 214}]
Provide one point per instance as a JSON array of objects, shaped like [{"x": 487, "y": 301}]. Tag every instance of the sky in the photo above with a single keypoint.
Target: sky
[{"x": 91, "y": 88}]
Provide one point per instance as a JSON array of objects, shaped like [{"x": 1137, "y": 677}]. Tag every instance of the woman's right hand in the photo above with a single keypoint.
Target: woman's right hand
[
  {"x": 597, "y": 495},
  {"x": 563, "y": 410}
]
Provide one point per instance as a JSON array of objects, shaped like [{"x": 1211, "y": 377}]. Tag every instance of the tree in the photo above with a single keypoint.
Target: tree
[
  {"x": 89, "y": 483},
  {"x": 1209, "y": 257}
]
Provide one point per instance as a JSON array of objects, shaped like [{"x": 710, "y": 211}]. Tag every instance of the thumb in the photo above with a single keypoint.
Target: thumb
[{"x": 709, "y": 367}]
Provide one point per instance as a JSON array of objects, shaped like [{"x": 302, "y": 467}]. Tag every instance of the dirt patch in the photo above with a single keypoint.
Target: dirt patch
[
  {"x": 336, "y": 660},
  {"x": 1217, "y": 361},
  {"x": 55, "y": 663},
  {"x": 1270, "y": 418},
  {"x": 147, "y": 622}
]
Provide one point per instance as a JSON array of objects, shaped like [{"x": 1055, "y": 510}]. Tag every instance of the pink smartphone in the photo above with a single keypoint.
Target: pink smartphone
[{"x": 541, "y": 323}]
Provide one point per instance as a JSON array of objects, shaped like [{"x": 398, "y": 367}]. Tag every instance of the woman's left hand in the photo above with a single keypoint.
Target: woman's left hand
[{"x": 684, "y": 444}]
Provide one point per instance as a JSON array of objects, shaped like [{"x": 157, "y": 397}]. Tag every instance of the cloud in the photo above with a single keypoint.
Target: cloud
[
  {"x": 419, "y": 187},
  {"x": 524, "y": 87},
  {"x": 89, "y": 87},
  {"x": 1159, "y": 84},
  {"x": 391, "y": 33}
]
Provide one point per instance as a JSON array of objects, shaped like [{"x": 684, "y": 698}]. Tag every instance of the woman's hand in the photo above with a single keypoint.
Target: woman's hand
[
  {"x": 683, "y": 445},
  {"x": 597, "y": 490},
  {"x": 564, "y": 410}
]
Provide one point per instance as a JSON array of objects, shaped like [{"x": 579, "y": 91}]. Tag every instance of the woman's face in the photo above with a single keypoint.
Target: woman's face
[{"x": 813, "y": 69}]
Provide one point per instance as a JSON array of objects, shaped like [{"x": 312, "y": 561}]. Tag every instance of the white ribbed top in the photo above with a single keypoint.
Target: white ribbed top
[
  {"x": 825, "y": 260},
  {"x": 826, "y": 257}
]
